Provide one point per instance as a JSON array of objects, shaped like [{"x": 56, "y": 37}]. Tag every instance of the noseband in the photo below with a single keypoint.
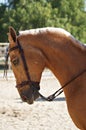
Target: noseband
[{"x": 35, "y": 85}]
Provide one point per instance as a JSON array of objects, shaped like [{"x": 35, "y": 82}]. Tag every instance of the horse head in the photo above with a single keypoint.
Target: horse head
[{"x": 27, "y": 64}]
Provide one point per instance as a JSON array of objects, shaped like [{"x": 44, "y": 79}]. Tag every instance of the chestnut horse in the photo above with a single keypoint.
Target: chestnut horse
[{"x": 58, "y": 50}]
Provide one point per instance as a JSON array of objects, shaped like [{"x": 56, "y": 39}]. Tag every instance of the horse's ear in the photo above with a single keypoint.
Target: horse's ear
[{"x": 12, "y": 35}]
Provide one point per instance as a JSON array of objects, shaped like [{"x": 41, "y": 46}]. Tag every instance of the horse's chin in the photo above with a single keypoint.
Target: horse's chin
[{"x": 30, "y": 102}]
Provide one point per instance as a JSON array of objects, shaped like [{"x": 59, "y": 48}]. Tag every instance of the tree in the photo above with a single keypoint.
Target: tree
[
  {"x": 27, "y": 14},
  {"x": 72, "y": 16},
  {"x": 3, "y": 23}
]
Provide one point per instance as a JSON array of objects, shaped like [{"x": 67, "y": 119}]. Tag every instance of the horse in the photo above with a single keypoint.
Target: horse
[{"x": 56, "y": 49}]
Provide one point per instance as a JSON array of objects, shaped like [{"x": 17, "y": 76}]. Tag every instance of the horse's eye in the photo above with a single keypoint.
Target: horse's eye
[{"x": 15, "y": 61}]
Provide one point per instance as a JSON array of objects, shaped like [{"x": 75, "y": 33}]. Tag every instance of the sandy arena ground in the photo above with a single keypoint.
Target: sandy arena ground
[{"x": 42, "y": 115}]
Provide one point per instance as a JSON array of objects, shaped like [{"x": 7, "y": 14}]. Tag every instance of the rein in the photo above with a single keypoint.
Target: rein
[
  {"x": 34, "y": 85},
  {"x": 59, "y": 91}
]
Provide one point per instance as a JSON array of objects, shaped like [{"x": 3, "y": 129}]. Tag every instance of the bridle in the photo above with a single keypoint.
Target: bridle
[
  {"x": 28, "y": 81},
  {"x": 35, "y": 85}
]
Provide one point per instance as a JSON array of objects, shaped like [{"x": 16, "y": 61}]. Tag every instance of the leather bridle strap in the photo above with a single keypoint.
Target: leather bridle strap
[
  {"x": 24, "y": 62},
  {"x": 13, "y": 48},
  {"x": 34, "y": 85},
  {"x": 60, "y": 90}
]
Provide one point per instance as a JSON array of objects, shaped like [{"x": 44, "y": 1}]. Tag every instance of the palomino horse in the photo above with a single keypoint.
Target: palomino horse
[{"x": 57, "y": 50}]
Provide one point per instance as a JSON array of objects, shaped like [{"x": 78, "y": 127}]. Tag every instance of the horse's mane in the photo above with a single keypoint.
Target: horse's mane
[
  {"x": 44, "y": 30},
  {"x": 58, "y": 31}
]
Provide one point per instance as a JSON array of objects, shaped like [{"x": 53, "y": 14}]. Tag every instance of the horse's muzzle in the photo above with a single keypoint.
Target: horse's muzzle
[{"x": 30, "y": 99}]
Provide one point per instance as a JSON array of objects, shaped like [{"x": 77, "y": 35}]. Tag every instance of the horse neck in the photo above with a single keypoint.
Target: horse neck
[{"x": 64, "y": 58}]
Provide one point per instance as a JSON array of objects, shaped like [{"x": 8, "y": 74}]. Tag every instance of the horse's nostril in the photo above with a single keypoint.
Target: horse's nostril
[{"x": 24, "y": 98}]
